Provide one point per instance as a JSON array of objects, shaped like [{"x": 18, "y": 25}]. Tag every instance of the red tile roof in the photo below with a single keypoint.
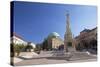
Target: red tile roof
[{"x": 16, "y": 35}]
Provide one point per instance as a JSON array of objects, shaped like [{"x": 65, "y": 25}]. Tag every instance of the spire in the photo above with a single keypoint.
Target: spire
[
  {"x": 68, "y": 20},
  {"x": 67, "y": 17},
  {"x": 68, "y": 29},
  {"x": 68, "y": 35}
]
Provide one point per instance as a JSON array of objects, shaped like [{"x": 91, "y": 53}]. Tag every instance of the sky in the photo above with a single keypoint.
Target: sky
[{"x": 35, "y": 21}]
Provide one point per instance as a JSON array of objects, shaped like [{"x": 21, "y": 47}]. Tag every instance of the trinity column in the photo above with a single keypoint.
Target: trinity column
[{"x": 68, "y": 40}]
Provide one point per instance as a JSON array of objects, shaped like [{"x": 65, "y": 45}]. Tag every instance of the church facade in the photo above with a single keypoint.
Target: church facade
[{"x": 53, "y": 41}]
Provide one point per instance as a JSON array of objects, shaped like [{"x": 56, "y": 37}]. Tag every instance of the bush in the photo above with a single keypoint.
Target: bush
[
  {"x": 28, "y": 47},
  {"x": 16, "y": 48}
]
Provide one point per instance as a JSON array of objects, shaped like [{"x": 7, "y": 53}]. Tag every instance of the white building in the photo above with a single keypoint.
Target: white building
[{"x": 16, "y": 39}]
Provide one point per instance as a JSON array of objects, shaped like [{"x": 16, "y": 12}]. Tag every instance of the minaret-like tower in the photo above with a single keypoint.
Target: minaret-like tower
[{"x": 68, "y": 35}]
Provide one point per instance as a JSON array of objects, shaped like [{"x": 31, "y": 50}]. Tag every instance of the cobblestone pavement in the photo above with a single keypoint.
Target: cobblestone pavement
[{"x": 77, "y": 57}]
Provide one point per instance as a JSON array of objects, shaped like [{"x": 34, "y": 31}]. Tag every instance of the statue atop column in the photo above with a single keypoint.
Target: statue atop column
[{"x": 68, "y": 40}]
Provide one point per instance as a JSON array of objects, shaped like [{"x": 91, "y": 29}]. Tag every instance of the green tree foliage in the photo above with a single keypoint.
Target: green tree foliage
[
  {"x": 16, "y": 48},
  {"x": 38, "y": 48},
  {"x": 45, "y": 44},
  {"x": 28, "y": 47}
]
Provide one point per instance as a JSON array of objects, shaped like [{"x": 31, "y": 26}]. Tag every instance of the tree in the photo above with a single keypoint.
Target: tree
[
  {"x": 18, "y": 48},
  {"x": 44, "y": 44},
  {"x": 15, "y": 48},
  {"x": 38, "y": 48},
  {"x": 28, "y": 47}
]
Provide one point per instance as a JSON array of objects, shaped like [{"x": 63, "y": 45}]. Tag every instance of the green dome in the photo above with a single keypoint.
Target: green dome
[{"x": 53, "y": 34}]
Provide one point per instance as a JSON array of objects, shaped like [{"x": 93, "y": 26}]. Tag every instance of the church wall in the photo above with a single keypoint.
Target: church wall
[{"x": 56, "y": 42}]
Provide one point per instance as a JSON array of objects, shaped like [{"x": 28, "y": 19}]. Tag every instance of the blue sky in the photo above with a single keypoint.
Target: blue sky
[{"x": 34, "y": 21}]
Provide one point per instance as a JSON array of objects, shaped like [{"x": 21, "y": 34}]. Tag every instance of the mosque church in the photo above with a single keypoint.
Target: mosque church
[
  {"x": 53, "y": 41},
  {"x": 86, "y": 40}
]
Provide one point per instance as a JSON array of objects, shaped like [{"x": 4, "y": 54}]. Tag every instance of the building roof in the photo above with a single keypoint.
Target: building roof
[
  {"x": 88, "y": 30},
  {"x": 18, "y": 36},
  {"x": 85, "y": 30},
  {"x": 94, "y": 28}
]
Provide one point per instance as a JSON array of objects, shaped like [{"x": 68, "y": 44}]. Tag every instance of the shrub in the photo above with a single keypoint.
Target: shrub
[
  {"x": 16, "y": 48},
  {"x": 28, "y": 47}
]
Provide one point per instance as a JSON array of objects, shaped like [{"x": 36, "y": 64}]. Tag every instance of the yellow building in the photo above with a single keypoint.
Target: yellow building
[{"x": 55, "y": 40}]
